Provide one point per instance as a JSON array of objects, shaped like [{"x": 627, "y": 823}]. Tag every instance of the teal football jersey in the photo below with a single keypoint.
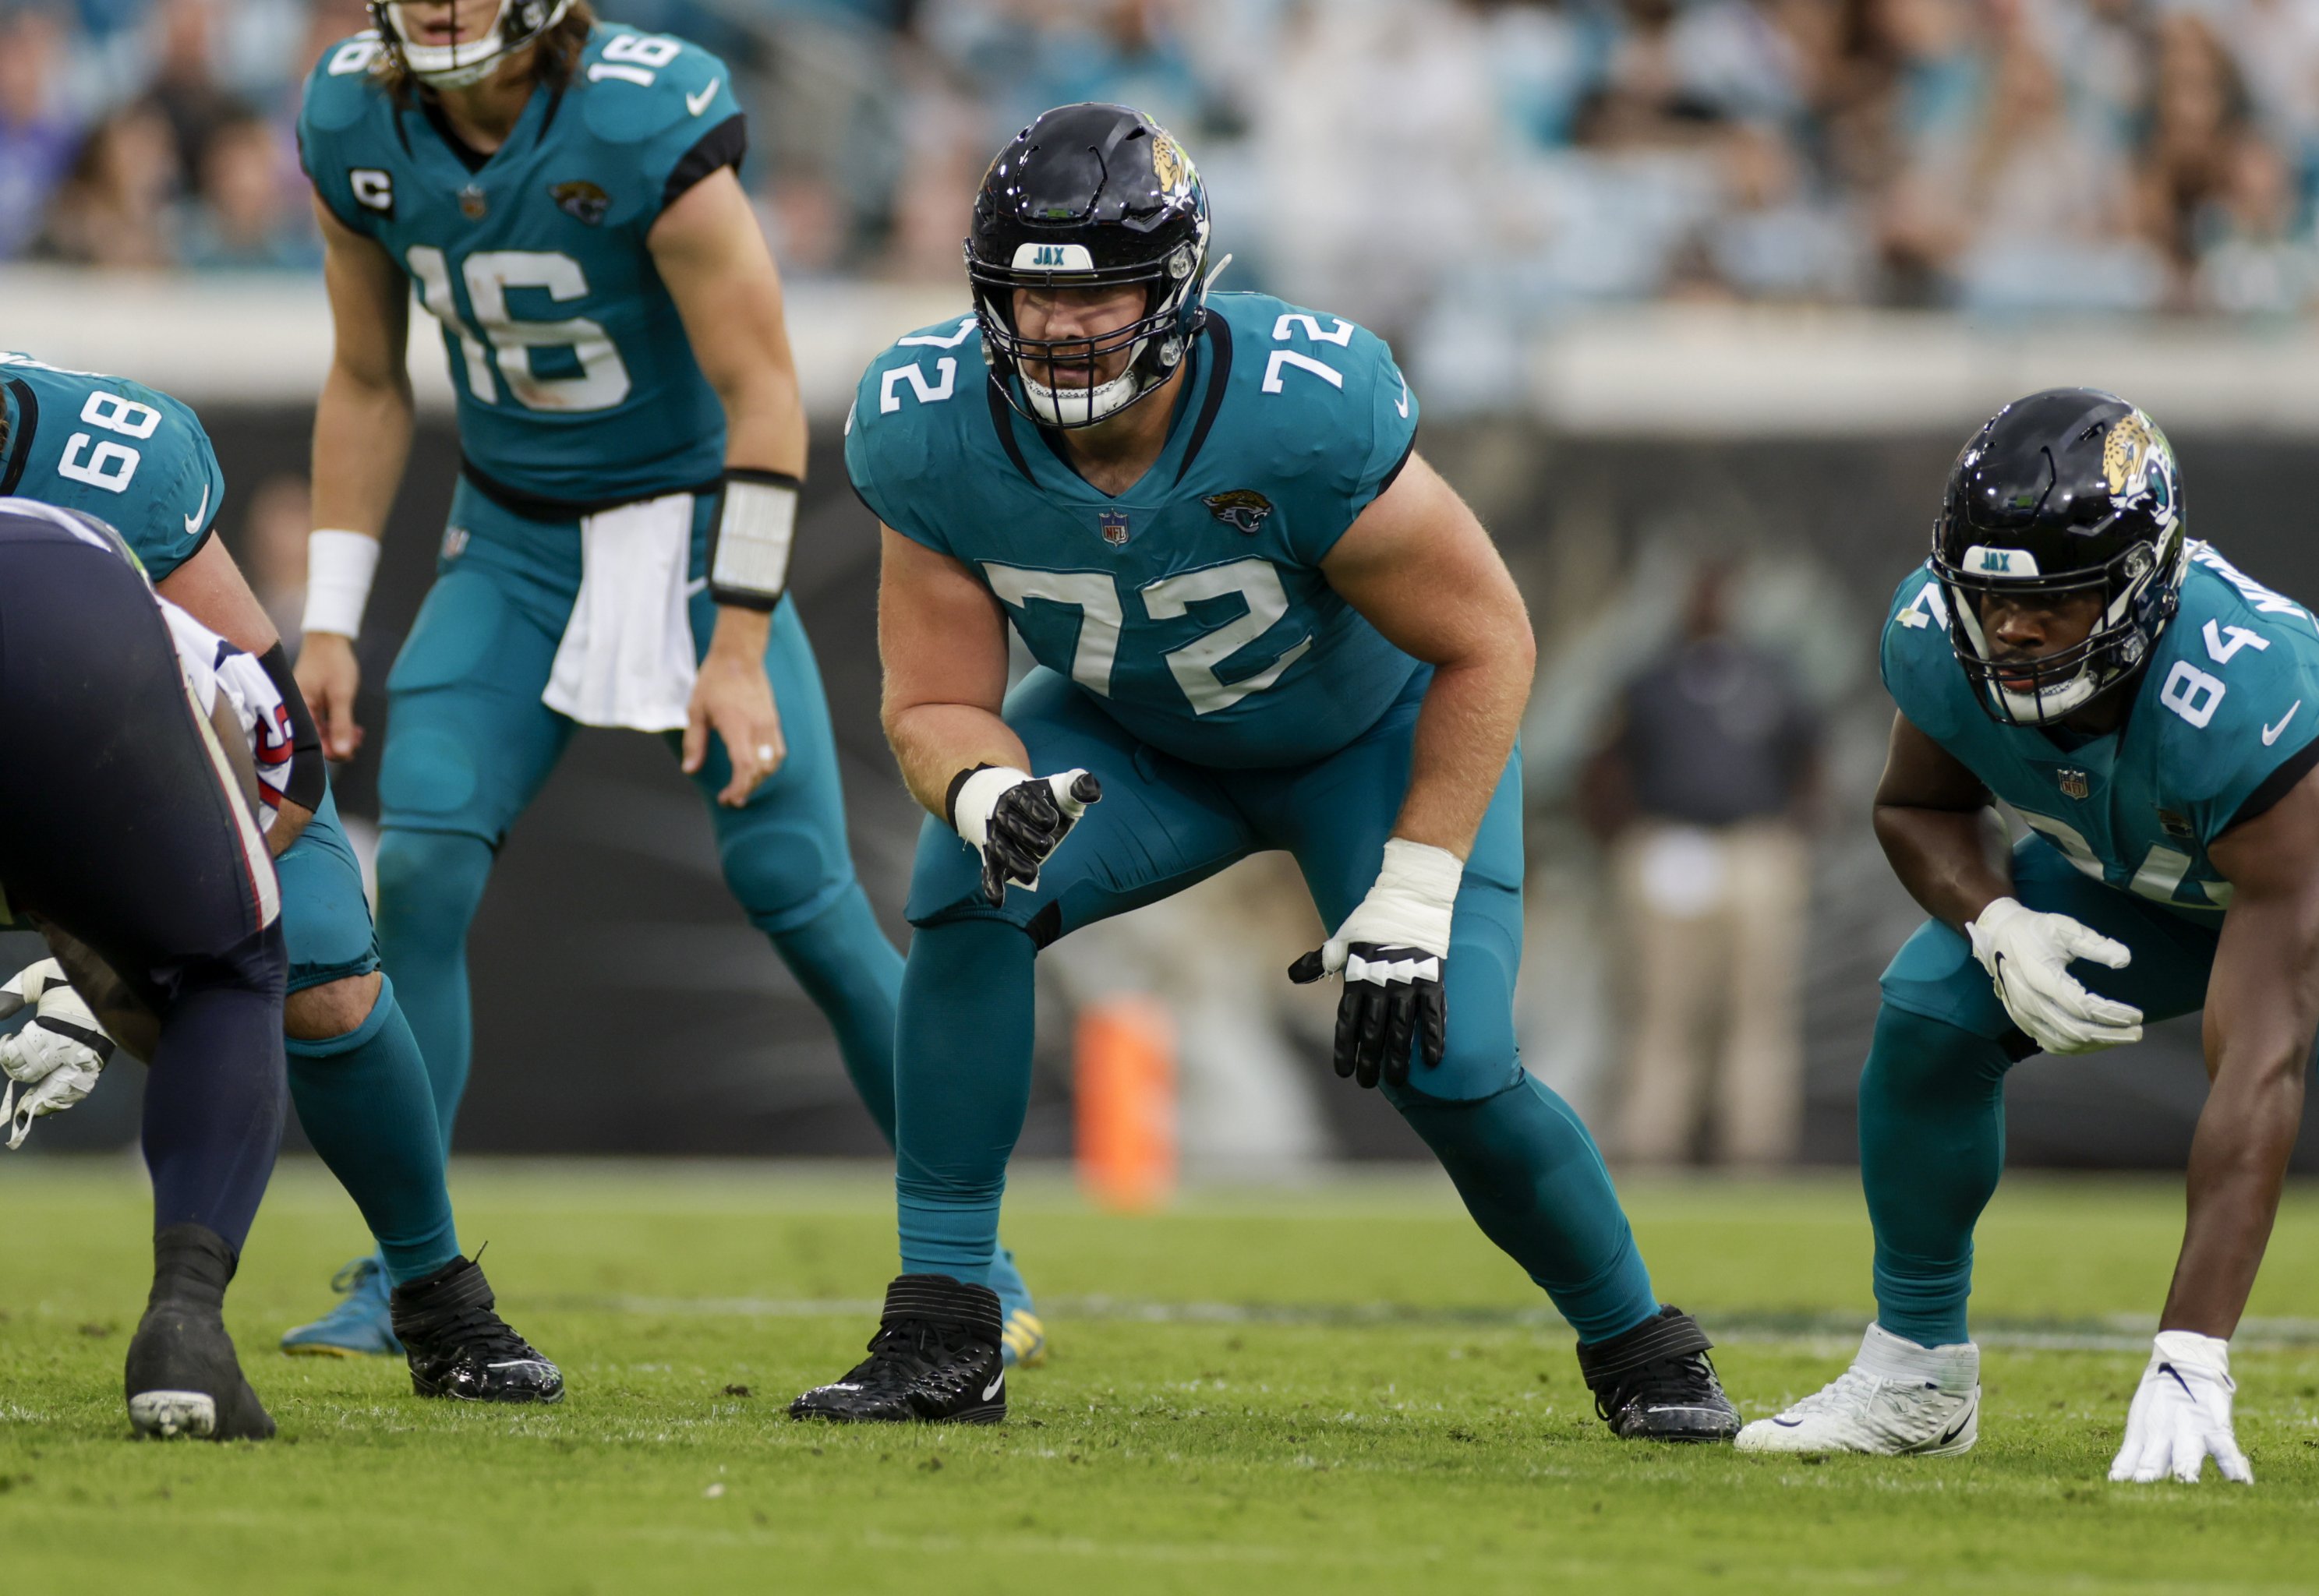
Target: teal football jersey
[
  {"x": 576, "y": 382},
  {"x": 131, "y": 455},
  {"x": 1191, "y": 607},
  {"x": 2223, "y": 722}
]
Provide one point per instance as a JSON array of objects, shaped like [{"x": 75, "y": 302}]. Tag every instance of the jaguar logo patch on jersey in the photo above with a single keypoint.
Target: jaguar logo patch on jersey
[
  {"x": 1114, "y": 525},
  {"x": 2177, "y": 827},
  {"x": 583, "y": 199},
  {"x": 1243, "y": 509},
  {"x": 2075, "y": 784},
  {"x": 471, "y": 202}
]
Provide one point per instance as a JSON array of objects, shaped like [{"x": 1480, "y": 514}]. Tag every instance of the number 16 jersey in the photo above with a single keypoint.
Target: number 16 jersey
[
  {"x": 576, "y": 380},
  {"x": 1191, "y": 607}
]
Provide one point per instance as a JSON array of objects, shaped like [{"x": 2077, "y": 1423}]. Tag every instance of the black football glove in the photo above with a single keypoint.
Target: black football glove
[
  {"x": 1016, "y": 820},
  {"x": 1393, "y": 951}
]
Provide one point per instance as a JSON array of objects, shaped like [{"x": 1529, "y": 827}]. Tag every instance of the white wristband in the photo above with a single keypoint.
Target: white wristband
[
  {"x": 339, "y": 566},
  {"x": 749, "y": 557},
  {"x": 977, "y": 798}
]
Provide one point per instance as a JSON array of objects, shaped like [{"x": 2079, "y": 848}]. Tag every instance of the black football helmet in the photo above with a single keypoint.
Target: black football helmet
[
  {"x": 2068, "y": 491},
  {"x": 1088, "y": 196}
]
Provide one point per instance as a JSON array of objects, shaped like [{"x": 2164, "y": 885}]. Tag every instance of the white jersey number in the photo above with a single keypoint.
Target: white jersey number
[
  {"x": 602, "y": 381},
  {"x": 1097, "y": 597},
  {"x": 105, "y": 464}
]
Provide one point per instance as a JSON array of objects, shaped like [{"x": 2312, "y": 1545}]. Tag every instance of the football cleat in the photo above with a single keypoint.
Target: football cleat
[
  {"x": 1896, "y": 1399},
  {"x": 181, "y": 1378},
  {"x": 459, "y": 1348},
  {"x": 1656, "y": 1382},
  {"x": 935, "y": 1359},
  {"x": 360, "y": 1326},
  {"x": 1023, "y": 1342}
]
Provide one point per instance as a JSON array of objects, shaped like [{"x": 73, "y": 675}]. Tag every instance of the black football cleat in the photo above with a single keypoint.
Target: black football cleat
[
  {"x": 183, "y": 1378},
  {"x": 1656, "y": 1382},
  {"x": 460, "y": 1348},
  {"x": 935, "y": 1359}
]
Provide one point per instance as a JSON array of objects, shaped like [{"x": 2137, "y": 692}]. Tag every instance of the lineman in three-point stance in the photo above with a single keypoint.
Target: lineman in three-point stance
[{"x": 2149, "y": 711}]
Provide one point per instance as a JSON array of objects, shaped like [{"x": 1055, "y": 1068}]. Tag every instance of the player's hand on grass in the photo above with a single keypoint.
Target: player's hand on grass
[
  {"x": 733, "y": 698},
  {"x": 1393, "y": 952},
  {"x": 2181, "y": 1415},
  {"x": 2027, "y": 954},
  {"x": 56, "y": 1057},
  {"x": 328, "y": 674},
  {"x": 1016, "y": 820}
]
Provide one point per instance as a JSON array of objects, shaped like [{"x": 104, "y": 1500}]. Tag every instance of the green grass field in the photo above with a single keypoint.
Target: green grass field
[{"x": 1339, "y": 1387}]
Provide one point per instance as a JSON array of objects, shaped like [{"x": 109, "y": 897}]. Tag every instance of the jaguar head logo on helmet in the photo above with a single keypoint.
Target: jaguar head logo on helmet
[
  {"x": 2067, "y": 500},
  {"x": 1100, "y": 200}
]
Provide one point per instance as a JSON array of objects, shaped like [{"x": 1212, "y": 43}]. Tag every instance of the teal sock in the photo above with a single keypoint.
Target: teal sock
[
  {"x": 853, "y": 976},
  {"x": 1533, "y": 1180},
  {"x": 429, "y": 886},
  {"x": 1932, "y": 1146},
  {"x": 962, "y": 1068},
  {"x": 368, "y": 1107}
]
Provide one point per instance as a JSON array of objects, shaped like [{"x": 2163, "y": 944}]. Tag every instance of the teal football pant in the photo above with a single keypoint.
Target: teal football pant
[
  {"x": 469, "y": 744},
  {"x": 364, "y": 1097},
  {"x": 1526, "y": 1166},
  {"x": 1932, "y": 1095}
]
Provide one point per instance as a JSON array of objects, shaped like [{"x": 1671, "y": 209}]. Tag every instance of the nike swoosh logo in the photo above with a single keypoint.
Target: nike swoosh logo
[
  {"x": 194, "y": 524},
  {"x": 2271, "y": 733},
  {"x": 1403, "y": 406},
  {"x": 699, "y": 103},
  {"x": 1955, "y": 1430},
  {"x": 991, "y": 1390}
]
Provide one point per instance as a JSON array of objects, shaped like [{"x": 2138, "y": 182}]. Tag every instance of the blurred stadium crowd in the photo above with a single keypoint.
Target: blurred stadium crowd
[{"x": 1428, "y": 164}]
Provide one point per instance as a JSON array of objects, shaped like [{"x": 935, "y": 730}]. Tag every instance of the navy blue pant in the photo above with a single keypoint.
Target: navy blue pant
[{"x": 119, "y": 824}]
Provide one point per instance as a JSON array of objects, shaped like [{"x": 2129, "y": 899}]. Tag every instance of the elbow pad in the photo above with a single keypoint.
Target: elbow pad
[
  {"x": 310, "y": 777},
  {"x": 749, "y": 546}
]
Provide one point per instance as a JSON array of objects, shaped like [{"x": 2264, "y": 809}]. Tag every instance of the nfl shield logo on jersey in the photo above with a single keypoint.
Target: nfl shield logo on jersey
[
  {"x": 2074, "y": 783},
  {"x": 1114, "y": 523}
]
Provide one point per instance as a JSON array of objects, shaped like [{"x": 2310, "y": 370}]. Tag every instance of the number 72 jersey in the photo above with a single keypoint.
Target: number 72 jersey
[
  {"x": 2225, "y": 719},
  {"x": 576, "y": 380},
  {"x": 1191, "y": 607}
]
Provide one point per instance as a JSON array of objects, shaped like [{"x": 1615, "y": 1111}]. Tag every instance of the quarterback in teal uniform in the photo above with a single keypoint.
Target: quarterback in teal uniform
[
  {"x": 2148, "y": 710},
  {"x": 138, "y": 460},
  {"x": 562, "y": 196},
  {"x": 1261, "y": 621}
]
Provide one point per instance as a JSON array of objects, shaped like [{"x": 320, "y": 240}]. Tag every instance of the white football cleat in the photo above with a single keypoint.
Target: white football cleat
[{"x": 1896, "y": 1399}]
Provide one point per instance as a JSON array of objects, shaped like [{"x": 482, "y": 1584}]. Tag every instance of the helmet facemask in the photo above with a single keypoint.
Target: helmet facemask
[
  {"x": 1154, "y": 343},
  {"x": 2140, "y": 589},
  {"x": 462, "y": 65}
]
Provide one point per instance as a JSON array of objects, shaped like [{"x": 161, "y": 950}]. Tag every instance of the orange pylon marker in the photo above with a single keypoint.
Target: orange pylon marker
[{"x": 1124, "y": 1071}]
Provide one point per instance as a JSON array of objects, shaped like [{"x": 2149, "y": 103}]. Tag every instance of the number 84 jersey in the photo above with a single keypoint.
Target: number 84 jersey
[
  {"x": 2225, "y": 719},
  {"x": 1191, "y": 607},
  {"x": 575, "y": 377}
]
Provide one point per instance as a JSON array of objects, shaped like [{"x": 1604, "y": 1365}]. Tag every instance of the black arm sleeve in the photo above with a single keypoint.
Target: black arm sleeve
[{"x": 309, "y": 777}]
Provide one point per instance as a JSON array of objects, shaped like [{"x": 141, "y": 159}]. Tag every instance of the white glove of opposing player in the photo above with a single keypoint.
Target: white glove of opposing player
[
  {"x": 58, "y": 1056},
  {"x": 1016, "y": 820},
  {"x": 2181, "y": 1415},
  {"x": 2027, "y": 954}
]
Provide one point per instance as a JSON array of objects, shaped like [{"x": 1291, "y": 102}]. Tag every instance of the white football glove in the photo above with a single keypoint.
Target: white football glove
[
  {"x": 1393, "y": 952},
  {"x": 1016, "y": 820},
  {"x": 2181, "y": 1415},
  {"x": 2027, "y": 954},
  {"x": 58, "y": 1056}
]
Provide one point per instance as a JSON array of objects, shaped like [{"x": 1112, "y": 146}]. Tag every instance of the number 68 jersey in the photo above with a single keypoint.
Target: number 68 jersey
[
  {"x": 575, "y": 381},
  {"x": 2225, "y": 719},
  {"x": 1191, "y": 607}
]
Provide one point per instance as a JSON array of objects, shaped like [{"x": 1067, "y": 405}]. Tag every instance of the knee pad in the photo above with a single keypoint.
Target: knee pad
[
  {"x": 782, "y": 874},
  {"x": 430, "y": 883}
]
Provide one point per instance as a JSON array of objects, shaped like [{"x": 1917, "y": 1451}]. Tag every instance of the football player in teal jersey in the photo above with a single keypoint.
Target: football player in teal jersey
[
  {"x": 563, "y": 196},
  {"x": 139, "y": 460},
  {"x": 1261, "y": 621},
  {"x": 2152, "y": 713}
]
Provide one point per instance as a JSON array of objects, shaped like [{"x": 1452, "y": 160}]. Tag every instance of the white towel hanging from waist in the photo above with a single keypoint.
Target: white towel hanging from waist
[{"x": 626, "y": 658}]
